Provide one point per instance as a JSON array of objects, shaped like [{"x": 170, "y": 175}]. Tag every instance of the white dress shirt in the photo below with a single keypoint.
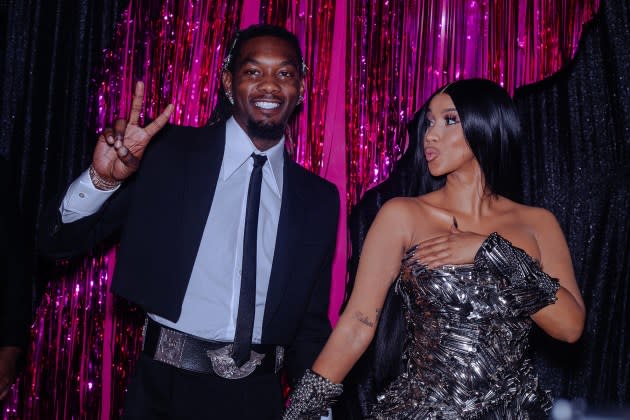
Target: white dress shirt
[{"x": 210, "y": 305}]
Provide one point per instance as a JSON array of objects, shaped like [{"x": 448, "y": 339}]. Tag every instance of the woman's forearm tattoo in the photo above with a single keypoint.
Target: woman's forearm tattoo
[{"x": 364, "y": 319}]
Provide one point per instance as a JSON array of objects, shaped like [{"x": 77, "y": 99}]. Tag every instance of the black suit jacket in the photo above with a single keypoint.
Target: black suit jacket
[{"x": 163, "y": 212}]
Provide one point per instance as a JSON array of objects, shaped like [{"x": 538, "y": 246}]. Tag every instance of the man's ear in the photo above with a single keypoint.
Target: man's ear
[
  {"x": 226, "y": 78},
  {"x": 302, "y": 87}
]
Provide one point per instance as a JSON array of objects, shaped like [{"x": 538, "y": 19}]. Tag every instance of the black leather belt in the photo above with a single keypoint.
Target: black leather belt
[{"x": 195, "y": 354}]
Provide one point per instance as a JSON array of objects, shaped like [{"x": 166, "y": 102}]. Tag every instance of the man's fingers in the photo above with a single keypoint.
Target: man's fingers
[
  {"x": 127, "y": 157},
  {"x": 136, "y": 103},
  {"x": 119, "y": 129},
  {"x": 157, "y": 124},
  {"x": 108, "y": 139},
  {"x": 107, "y": 135}
]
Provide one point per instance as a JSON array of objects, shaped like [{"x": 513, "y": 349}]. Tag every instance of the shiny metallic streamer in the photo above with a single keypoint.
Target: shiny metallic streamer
[
  {"x": 310, "y": 141},
  {"x": 84, "y": 341},
  {"x": 401, "y": 51},
  {"x": 176, "y": 48},
  {"x": 70, "y": 336}
]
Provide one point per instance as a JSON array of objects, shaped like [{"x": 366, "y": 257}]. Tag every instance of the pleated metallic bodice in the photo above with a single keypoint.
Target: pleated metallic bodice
[{"x": 466, "y": 349}]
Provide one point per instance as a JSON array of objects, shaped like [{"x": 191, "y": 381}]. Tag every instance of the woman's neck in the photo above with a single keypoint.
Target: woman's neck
[{"x": 466, "y": 193}]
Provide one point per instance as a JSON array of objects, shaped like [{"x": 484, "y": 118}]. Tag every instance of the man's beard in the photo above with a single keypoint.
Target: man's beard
[{"x": 262, "y": 131}]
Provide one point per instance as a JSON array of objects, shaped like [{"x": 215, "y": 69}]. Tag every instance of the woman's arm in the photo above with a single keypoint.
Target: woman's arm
[
  {"x": 383, "y": 250},
  {"x": 564, "y": 320},
  {"x": 379, "y": 264}
]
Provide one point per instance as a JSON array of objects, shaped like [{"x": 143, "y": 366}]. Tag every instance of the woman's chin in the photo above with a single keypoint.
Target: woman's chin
[{"x": 436, "y": 172}]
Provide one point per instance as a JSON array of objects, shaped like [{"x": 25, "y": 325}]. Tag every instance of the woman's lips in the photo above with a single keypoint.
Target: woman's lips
[{"x": 431, "y": 153}]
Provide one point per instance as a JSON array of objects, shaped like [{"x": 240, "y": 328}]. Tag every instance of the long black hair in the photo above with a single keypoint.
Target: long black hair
[
  {"x": 223, "y": 110},
  {"x": 491, "y": 127}
]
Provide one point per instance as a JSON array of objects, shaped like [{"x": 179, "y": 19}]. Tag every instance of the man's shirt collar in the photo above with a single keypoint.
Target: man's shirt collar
[{"x": 238, "y": 149}]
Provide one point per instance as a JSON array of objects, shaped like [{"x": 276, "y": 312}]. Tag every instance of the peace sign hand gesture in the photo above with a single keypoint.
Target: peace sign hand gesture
[{"x": 119, "y": 151}]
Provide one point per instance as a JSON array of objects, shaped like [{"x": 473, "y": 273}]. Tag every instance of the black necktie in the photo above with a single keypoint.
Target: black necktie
[{"x": 247, "y": 299}]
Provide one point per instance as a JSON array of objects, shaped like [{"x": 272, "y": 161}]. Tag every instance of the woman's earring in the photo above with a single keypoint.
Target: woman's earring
[
  {"x": 300, "y": 100},
  {"x": 229, "y": 97}
]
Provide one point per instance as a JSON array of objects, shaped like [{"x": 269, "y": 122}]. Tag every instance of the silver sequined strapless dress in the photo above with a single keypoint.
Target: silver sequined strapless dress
[{"x": 468, "y": 327}]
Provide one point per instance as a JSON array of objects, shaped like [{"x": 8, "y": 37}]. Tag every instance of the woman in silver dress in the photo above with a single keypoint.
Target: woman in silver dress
[{"x": 467, "y": 268}]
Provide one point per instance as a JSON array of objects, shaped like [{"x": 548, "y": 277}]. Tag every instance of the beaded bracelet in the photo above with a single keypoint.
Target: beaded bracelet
[{"x": 101, "y": 183}]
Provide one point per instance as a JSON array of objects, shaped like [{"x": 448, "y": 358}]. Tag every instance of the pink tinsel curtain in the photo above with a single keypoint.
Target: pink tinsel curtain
[
  {"x": 312, "y": 22},
  {"x": 402, "y": 51},
  {"x": 372, "y": 63}
]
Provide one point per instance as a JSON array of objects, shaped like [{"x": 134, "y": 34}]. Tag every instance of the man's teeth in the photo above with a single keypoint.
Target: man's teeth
[{"x": 267, "y": 105}]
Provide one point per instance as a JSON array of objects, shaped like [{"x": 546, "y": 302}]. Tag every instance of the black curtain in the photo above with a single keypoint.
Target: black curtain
[
  {"x": 576, "y": 163},
  {"x": 48, "y": 51}
]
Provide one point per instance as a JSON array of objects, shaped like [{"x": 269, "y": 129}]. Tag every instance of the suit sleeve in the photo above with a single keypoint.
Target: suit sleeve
[
  {"x": 315, "y": 327},
  {"x": 61, "y": 240}
]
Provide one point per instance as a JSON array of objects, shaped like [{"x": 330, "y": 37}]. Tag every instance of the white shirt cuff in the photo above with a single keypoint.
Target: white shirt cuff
[{"x": 82, "y": 199}]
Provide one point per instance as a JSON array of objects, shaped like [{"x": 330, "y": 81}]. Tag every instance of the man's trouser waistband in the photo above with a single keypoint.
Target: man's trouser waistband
[{"x": 195, "y": 354}]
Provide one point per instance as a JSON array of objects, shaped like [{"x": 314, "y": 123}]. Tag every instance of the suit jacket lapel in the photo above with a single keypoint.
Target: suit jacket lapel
[{"x": 287, "y": 239}]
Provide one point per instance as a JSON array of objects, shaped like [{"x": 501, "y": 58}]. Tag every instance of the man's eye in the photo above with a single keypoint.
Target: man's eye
[
  {"x": 285, "y": 73},
  {"x": 251, "y": 72}
]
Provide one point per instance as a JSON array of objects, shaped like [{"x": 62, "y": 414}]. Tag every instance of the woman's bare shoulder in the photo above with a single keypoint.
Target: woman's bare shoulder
[
  {"x": 398, "y": 211},
  {"x": 538, "y": 221},
  {"x": 406, "y": 205},
  {"x": 412, "y": 207},
  {"x": 412, "y": 215},
  {"x": 536, "y": 216}
]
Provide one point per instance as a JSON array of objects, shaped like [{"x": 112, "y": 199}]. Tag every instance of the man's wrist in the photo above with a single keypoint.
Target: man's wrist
[{"x": 101, "y": 183}]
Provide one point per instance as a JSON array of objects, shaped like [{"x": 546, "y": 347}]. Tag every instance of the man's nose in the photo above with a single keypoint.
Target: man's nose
[{"x": 269, "y": 84}]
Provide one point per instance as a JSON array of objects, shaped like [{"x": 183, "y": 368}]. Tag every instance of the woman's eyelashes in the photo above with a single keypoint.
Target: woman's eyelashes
[
  {"x": 448, "y": 120},
  {"x": 451, "y": 119}
]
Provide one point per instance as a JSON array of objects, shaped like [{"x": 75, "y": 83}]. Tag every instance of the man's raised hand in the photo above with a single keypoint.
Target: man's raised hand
[{"x": 119, "y": 150}]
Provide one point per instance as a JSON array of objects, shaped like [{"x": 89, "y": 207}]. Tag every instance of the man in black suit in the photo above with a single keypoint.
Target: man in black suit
[
  {"x": 14, "y": 288},
  {"x": 226, "y": 243}
]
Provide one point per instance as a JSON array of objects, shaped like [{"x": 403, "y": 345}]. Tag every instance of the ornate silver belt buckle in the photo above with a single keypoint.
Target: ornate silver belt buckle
[
  {"x": 225, "y": 367},
  {"x": 170, "y": 347}
]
